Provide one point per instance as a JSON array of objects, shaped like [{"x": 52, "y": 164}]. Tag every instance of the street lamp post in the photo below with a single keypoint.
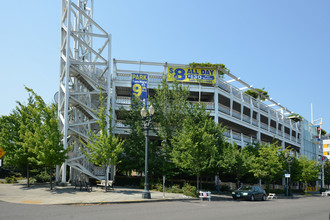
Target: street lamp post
[
  {"x": 288, "y": 159},
  {"x": 147, "y": 122}
]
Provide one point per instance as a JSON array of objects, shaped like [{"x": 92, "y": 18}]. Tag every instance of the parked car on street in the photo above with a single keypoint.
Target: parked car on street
[
  {"x": 328, "y": 192},
  {"x": 249, "y": 193}
]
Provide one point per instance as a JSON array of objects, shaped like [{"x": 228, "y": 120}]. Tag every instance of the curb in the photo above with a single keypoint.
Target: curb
[{"x": 126, "y": 201}]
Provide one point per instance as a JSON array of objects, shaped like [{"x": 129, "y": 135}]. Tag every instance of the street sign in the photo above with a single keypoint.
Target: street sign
[
  {"x": 287, "y": 175},
  {"x": 0, "y": 162},
  {"x": 2, "y": 152}
]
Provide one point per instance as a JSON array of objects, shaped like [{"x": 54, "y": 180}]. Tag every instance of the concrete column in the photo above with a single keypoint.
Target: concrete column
[{"x": 216, "y": 105}]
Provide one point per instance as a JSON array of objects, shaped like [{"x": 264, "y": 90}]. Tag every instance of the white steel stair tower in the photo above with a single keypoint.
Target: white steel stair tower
[{"x": 85, "y": 56}]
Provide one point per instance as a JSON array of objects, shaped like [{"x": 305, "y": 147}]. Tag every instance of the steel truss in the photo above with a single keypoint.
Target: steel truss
[{"x": 85, "y": 56}]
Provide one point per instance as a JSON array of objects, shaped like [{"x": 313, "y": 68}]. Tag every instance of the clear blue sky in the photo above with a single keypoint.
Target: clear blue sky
[{"x": 281, "y": 45}]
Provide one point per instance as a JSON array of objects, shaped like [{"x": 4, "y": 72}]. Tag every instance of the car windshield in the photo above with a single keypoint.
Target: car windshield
[{"x": 245, "y": 188}]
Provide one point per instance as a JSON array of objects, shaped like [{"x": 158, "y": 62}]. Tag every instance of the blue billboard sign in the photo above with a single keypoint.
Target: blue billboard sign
[{"x": 140, "y": 87}]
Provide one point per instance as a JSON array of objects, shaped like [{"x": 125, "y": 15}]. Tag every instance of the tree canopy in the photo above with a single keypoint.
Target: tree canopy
[
  {"x": 103, "y": 148},
  {"x": 196, "y": 147}
]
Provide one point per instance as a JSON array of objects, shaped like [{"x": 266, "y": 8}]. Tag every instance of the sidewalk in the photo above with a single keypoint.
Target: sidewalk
[{"x": 41, "y": 194}]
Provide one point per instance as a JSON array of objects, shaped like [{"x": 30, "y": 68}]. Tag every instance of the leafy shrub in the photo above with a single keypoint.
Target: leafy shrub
[
  {"x": 42, "y": 177},
  {"x": 11, "y": 179},
  {"x": 176, "y": 189},
  {"x": 32, "y": 180},
  {"x": 225, "y": 188},
  {"x": 297, "y": 190},
  {"x": 189, "y": 190},
  {"x": 129, "y": 181},
  {"x": 276, "y": 191},
  {"x": 158, "y": 187}
]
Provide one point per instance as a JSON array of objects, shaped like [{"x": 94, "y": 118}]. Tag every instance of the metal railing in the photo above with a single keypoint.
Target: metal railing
[
  {"x": 254, "y": 122},
  {"x": 123, "y": 100},
  {"x": 246, "y": 139},
  {"x": 264, "y": 107},
  {"x": 224, "y": 109},
  {"x": 236, "y": 135},
  {"x": 272, "y": 129},
  {"x": 264, "y": 126},
  {"x": 246, "y": 98},
  {"x": 226, "y": 133},
  {"x": 236, "y": 114},
  {"x": 224, "y": 86},
  {"x": 246, "y": 118},
  {"x": 237, "y": 93}
]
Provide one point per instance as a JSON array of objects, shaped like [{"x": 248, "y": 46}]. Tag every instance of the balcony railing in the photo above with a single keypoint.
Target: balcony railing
[
  {"x": 293, "y": 139},
  {"x": 120, "y": 124},
  {"x": 124, "y": 100},
  {"x": 236, "y": 114},
  {"x": 272, "y": 129},
  {"x": 236, "y": 135},
  {"x": 224, "y": 86},
  {"x": 155, "y": 78},
  {"x": 254, "y": 122},
  {"x": 124, "y": 76},
  {"x": 237, "y": 93},
  {"x": 264, "y": 107},
  {"x": 246, "y": 118},
  {"x": 255, "y": 103},
  {"x": 246, "y": 139},
  {"x": 264, "y": 126},
  {"x": 287, "y": 136},
  {"x": 273, "y": 113},
  {"x": 226, "y": 133},
  {"x": 246, "y": 98},
  {"x": 224, "y": 109}
]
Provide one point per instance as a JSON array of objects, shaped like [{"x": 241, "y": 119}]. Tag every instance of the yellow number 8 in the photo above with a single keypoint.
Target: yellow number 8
[{"x": 137, "y": 90}]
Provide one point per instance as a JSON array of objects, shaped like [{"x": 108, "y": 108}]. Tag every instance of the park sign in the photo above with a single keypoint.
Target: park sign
[
  {"x": 140, "y": 87},
  {"x": 192, "y": 75},
  {"x": 2, "y": 152}
]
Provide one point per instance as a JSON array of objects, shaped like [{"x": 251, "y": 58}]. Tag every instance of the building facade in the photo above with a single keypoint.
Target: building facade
[
  {"x": 247, "y": 119},
  {"x": 326, "y": 146}
]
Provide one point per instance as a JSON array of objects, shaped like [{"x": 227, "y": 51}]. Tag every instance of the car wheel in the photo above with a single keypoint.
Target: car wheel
[
  {"x": 252, "y": 198},
  {"x": 234, "y": 198},
  {"x": 264, "y": 197}
]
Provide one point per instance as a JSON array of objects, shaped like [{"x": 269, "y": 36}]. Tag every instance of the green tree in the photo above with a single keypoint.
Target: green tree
[
  {"x": 236, "y": 161},
  {"x": 259, "y": 93},
  {"x": 104, "y": 147},
  {"x": 17, "y": 137},
  {"x": 132, "y": 157},
  {"x": 267, "y": 165},
  {"x": 327, "y": 172},
  {"x": 10, "y": 141},
  {"x": 195, "y": 146},
  {"x": 171, "y": 105},
  {"x": 294, "y": 165},
  {"x": 310, "y": 171},
  {"x": 47, "y": 136}
]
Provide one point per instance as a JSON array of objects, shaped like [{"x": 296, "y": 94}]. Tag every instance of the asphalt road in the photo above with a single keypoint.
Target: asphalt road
[{"x": 312, "y": 208}]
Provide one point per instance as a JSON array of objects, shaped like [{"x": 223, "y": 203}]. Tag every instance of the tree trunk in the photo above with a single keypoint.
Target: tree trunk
[
  {"x": 197, "y": 183},
  {"x": 50, "y": 178},
  {"x": 28, "y": 175},
  {"x": 106, "y": 179}
]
